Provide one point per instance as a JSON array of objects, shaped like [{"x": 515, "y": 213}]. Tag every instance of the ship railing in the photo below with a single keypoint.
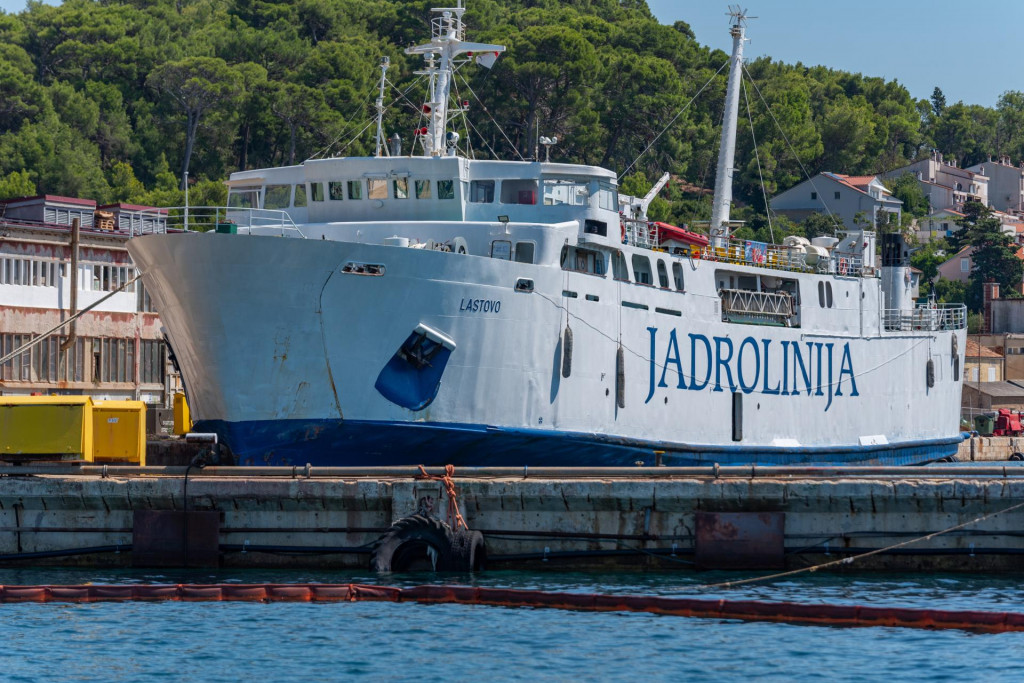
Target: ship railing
[
  {"x": 775, "y": 305},
  {"x": 226, "y": 219},
  {"x": 926, "y": 317}
]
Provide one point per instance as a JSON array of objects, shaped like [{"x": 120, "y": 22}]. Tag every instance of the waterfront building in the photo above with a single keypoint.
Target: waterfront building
[
  {"x": 850, "y": 199},
  {"x": 114, "y": 351}
]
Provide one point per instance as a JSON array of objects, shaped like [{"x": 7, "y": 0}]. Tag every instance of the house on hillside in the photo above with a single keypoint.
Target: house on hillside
[
  {"x": 945, "y": 184},
  {"x": 939, "y": 224},
  {"x": 842, "y": 196},
  {"x": 1005, "y": 184}
]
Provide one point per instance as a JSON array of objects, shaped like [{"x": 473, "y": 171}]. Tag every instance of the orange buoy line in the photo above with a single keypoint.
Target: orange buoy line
[{"x": 747, "y": 610}]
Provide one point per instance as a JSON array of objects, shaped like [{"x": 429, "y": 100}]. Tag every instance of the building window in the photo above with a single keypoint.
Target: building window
[
  {"x": 814, "y": 195},
  {"x": 151, "y": 362},
  {"x": 965, "y": 265},
  {"x": 837, "y": 194}
]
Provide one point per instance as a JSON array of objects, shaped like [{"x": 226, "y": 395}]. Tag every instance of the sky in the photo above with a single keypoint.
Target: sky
[{"x": 971, "y": 50}]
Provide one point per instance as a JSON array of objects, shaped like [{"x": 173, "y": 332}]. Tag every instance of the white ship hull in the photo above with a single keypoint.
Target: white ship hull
[{"x": 282, "y": 354}]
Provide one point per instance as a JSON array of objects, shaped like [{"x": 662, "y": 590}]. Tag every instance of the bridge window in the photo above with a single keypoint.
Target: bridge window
[
  {"x": 376, "y": 188},
  {"x": 481, "y": 191},
  {"x": 566, "y": 191},
  {"x": 501, "y": 249},
  {"x": 401, "y": 188},
  {"x": 300, "y": 195},
  {"x": 519, "y": 192},
  {"x": 336, "y": 190},
  {"x": 607, "y": 197},
  {"x": 355, "y": 189},
  {"x": 244, "y": 198},
  {"x": 422, "y": 189},
  {"x": 619, "y": 270},
  {"x": 445, "y": 189},
  {"x": 317, "y": 191},
  {"x": 277, "y": 197}
]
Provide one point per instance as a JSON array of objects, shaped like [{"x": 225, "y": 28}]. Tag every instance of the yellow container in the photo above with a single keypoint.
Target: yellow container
[
  {"x": 119, "y": 431},
  {"x": 182, "y": 420},
  {"x": 46, "y": 425}
]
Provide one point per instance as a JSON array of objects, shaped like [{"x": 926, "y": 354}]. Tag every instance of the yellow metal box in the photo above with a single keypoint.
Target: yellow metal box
[
  {"x": 119, "y": 431},
  {"x": 46, "y": 425},
  {"x": 182, "y": 419}
]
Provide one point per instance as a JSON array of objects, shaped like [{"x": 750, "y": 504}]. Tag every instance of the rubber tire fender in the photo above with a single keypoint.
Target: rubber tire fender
[
  {"x": 405, "y": 541},
  {"x": 469, "y": 554}
]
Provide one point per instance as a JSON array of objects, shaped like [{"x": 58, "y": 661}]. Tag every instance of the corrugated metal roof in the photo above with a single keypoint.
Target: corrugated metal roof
[{"x": 1000, "y": 389}]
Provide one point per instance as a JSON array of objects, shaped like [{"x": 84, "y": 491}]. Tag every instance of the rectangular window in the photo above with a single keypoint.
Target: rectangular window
[
  {"x": 524, "y": 252},
  {"x": 300, "y": 196},
  {"x": 445, "y": 189},
  {"x": 422, "y": 189},
  {"x": 355, "y": 189},
  {"x": 401, "y": 186},
  {"x": 244, "y": 198},
  {"x": 317, "y": 191},
  {"x": 376, "y": 188},
  {"x": 565, "y": 191},
  {"x": 481, "y": 191},
  {"x": 277, "y": 197},
  {"x": 837, "y": 194},
  {"x": 965, "y": 265},
  {"x": 336, "y": 190},
  {"x": 501, "y": 249},
  {"x": 607, "y": 197},
  {"x": 814, "y": 195}
]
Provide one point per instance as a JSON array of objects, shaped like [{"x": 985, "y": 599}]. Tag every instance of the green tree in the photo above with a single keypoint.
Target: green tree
[
  {"x": 16, "y": 184},
  {"x": 994, "y": 255},
  {"x": 908, "y": 190},
  {"x": 927, "y": 259},
  {"x": 197, "y": 85}
]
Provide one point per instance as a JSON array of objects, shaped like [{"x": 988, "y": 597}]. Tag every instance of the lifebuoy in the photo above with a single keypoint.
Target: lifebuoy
[{"x": 843, "y": 266}]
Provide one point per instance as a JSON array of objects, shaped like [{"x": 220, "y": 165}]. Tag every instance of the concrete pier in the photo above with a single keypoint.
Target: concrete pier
[{"x": 608, "y": 518}]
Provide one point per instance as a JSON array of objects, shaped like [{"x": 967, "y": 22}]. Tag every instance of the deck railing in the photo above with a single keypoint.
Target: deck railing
[
  {"x": 219, "y": 218},
  {"x": 926, "y": 317}
]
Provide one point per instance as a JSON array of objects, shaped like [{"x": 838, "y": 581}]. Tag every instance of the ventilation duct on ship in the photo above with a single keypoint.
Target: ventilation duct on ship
[{"x": 412, "y": 377}]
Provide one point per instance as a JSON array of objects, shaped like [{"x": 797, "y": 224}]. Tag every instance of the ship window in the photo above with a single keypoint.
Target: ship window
[
  {"x": 277, "y": 197},
  {"x": 565, "y": 191},
  {"x": 641, "y": 269},
  {"x": 606, "y": 197},
  {"x": 445, "y": 189},
  {"x": 317, "y": 191},
  {"x": 524, "y": 252},
  {"x": 422, "y": 189},
  {"x": 501, "y": 249},
  {"x": 300, "y": 196},
  {"x": 401, "y": 188},
  {"x": 619, "y": 271},
  {"x": 662, "y": 274},
  {"x": 355, "y": 189},
  {"x": 518, "y": 191},
  {"x": 244, "y": 198},
  {"x": 828, "y": 294},
  {"x": 376, "y": 188},
  {"x": 481, "y": 191},
  {"x": 677, "y": 275},
  {"x": 336, "y": 190}
]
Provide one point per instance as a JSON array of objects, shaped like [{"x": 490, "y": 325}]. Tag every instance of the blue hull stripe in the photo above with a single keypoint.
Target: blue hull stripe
[{"x": 364, "y": 443}]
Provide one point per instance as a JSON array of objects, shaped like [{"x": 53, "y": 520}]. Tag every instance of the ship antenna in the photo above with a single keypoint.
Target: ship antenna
[
  {"x": 447, "y": 43},
  {"x": 385, "y": 62},
  {"x": 727, "y": 151}
]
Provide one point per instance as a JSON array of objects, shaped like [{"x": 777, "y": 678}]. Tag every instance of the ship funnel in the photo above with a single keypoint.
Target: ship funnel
[{"x": 896, "y": 280}]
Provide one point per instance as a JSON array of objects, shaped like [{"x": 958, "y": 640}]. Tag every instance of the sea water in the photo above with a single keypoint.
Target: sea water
[{"x": 307, "y": 642}]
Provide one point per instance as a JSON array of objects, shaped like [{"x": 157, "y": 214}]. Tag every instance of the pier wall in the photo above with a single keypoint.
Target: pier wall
[{"x": 283, "y": 521}]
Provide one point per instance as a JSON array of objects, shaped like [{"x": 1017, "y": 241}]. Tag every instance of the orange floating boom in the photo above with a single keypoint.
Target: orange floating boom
[{"x": 746, "y": 610}]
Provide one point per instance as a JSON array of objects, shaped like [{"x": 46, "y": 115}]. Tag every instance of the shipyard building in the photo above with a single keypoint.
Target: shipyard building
[{"x": 113, "y": 351}]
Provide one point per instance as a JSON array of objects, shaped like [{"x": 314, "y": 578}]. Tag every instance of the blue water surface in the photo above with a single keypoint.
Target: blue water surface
[{"x": 387, "y": 641}]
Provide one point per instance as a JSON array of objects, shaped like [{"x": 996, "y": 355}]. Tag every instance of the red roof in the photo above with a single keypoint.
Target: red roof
[
  {"x": 976, "y": 350},
  {"x": 50, "y": 198},
  {"x": 854, "y": 182}
]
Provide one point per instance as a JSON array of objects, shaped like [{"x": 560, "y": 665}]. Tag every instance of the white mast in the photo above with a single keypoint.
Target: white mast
[
  {"x": 727, "y": 151},
  {"x": 447, "y": 42},
  {"x": 385, "y": 62}
]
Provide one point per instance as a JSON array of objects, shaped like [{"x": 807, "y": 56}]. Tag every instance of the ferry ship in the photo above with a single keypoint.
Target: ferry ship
[{"x": 435, "y": 308}]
